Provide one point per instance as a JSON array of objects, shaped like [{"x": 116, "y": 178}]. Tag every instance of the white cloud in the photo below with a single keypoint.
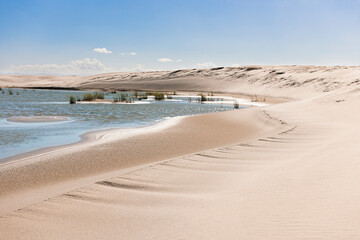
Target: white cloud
[
  {"x": 83, "y": 66},
  {"x": 167, "y": 60},
  {"x": 206, "y": 65},
  {"x": 130, "y": 53},
  {"x": 102, "y": 50}
]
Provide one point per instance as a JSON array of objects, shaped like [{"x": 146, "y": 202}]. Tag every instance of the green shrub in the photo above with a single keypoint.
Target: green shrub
[
  {"x": 93, "y": 96},
  {"x": 159, "y": 95},
  {"x": 142, "y": 96},
  {"x": 88, "y": 97},
  {"x": 236, "y": 105},
  {"x": 202, "y": 97},
  {"x": 99, "y": 95},
  {"x": 10, "y": 91},
  {"x": 72, "y": 99},
  {"x": 122, "y": 97}
]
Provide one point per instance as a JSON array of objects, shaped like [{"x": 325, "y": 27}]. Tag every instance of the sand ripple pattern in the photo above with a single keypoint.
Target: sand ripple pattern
[{"x": 290, "y": 185}]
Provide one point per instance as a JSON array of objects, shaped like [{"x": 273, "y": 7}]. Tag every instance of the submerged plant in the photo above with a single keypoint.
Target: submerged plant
[{"x": 10, "y": 91}]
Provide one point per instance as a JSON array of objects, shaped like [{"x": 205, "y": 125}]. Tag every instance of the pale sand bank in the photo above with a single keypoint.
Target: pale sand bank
[
  {"x": 36, "y": 119},
  {"x": 286, "y": 171}
]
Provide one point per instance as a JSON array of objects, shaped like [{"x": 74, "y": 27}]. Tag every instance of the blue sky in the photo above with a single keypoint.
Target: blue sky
[{"x": 87, "y": 37}]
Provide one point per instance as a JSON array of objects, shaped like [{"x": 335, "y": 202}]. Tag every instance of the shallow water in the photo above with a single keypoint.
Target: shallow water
[{"x": 16, "y": 138}]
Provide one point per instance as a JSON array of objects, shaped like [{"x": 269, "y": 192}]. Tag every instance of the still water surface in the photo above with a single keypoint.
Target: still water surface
[{"x": 17, "y": 138}]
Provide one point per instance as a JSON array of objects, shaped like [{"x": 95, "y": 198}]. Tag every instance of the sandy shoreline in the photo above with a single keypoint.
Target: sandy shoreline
[
  {"x": 93, "y": 136},
  {"x": 284, "y": 171},
  {"x": 72, "y": 160}
]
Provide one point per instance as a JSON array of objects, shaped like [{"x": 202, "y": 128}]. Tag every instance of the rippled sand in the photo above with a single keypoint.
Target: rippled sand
[{"x": 284, "y": 171}]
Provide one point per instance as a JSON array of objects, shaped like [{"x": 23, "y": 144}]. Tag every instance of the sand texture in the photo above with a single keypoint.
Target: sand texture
[{"x": 284, "y": 171}]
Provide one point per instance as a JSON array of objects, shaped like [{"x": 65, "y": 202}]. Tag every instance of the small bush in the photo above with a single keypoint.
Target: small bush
[
  {"x": 88, "y": 97},
  {"x": 122, "y": 97},
  {"x": 72, "y": 99},
  {"x": 236, "y": 105},
  {"x": 202, "y": 97},
  {"x": 159, "y": 96},
  {"x": 142, "y": 96},
  {"x": 92, "y": 97},
  {"x": 10, "y": 91},
  {"x": 99, "y": 95}
]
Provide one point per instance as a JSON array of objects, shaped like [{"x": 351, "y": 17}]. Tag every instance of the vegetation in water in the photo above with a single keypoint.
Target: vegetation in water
[
  {"x": 72, "y": 99},
  {"x": 236, "y": 105},
  {"x": 158, "y": 95},
  {"x": 93, "y": 96},
  {"x": 202, "y": 97}
]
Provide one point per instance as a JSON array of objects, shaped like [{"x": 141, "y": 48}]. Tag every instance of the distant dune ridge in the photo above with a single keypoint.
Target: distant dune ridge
[
  {"x": 285, "y": 171},
  {"x": 276, "y": 81}
]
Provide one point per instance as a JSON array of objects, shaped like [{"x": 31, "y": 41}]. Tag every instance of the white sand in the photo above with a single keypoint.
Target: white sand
[{"x": 284, "y": 171}]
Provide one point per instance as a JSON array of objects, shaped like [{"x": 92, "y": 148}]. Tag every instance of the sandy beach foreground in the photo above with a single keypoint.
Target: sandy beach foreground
[{"x": 284, "y": 171}]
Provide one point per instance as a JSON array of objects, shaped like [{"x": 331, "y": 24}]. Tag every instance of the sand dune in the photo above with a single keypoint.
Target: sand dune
[
  {"x": 294, "y": 82},
  {"x": 285, "y": 171}
]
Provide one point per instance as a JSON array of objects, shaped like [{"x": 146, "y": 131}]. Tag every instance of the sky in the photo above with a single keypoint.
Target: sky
[{"x": 78, "y": 37}]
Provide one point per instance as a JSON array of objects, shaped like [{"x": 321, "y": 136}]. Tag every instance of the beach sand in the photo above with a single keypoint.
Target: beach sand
[{"x": 284, "y": 171}]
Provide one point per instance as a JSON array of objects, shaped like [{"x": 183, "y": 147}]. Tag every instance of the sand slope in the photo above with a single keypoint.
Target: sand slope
[
  {"x": 294, "y": 177},
  {"x": 279, "y": 81}
]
